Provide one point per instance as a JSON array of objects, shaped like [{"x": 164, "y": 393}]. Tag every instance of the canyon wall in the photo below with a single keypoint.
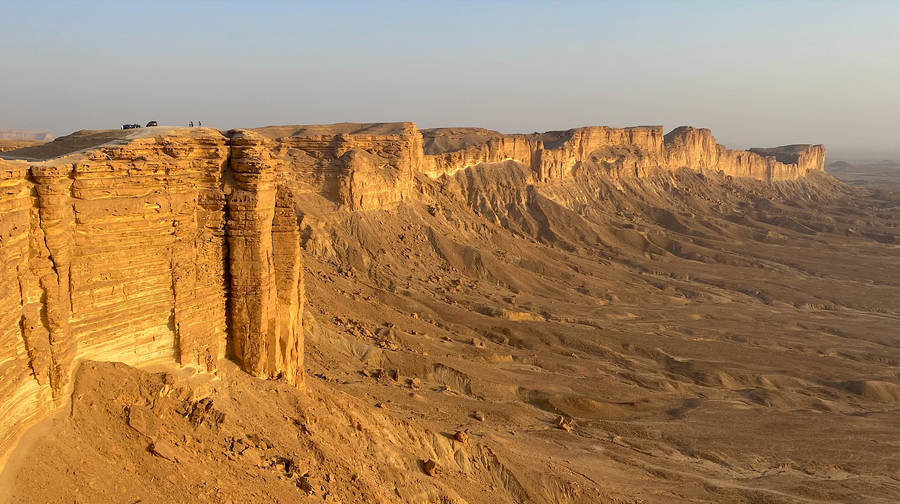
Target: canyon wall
[
  {"x": 265, "y": 265},
  {"x": 356, "y": 166},
  {"x": 695, "y": 148},
  {"x": 629, "y": 151},
  {"x": 139, "y": 252},
  {"x": 116, "y": 255},
  {"x": 182, "y": 245}
]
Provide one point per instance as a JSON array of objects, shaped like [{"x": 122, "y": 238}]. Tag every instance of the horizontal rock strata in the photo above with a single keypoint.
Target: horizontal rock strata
[
  {"x": 182, "y": 245},
  {"x": 630, "y": 151}
]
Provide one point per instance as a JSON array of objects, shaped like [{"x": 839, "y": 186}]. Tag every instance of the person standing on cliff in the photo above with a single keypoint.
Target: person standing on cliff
[
  {"x": 199, "y": 124},
  {"x": 192, "y": 124}
]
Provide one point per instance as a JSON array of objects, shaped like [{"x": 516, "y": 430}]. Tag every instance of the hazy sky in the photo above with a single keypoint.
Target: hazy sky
[{"x": 757, "y": 73}]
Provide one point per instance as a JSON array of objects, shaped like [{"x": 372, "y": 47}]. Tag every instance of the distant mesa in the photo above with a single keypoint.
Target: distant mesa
[
  {"x": 77, "y": 141},
  {"x": 13, "y": 140},
  {"x": 41, "y": 136},
  {"x": 786, "y": 154}
]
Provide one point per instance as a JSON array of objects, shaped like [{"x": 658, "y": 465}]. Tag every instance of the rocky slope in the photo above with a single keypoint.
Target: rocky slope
[{"x": 591, "y": 274}]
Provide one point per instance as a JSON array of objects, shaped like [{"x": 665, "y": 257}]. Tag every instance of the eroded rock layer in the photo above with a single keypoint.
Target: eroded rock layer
[
  {"x": 265, "y": 266},
  {"x": 183, "y": 245},
  {"x": 115, "y": 255},
  {"x": 120, "y": 254},
  {"x": 624, "y": 151}
]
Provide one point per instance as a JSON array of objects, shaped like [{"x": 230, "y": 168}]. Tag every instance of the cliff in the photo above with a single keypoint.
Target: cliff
[
  {"x": 182, "y": 245},
  {"x": 696, "y": 148},
  {"x": 358, "y": 166},
  {"x": 112, "y": 255},
  {"x": 263, "y": 240},
  {"x": 626, "y": 151},
  {"x": 131, "y": 252}
]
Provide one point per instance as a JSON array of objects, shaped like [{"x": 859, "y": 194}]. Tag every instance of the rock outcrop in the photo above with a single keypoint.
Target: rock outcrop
[
  {"x": 124, "y": 253},
  {"x": 356, "y": 166},
  {"x": 265, "y": 266},
  {"x": 624, "y": 151},
  {"x": 182, "y": 245},
  {"x": 688, "y": 147},
  {"x": 114, "y": 255}
]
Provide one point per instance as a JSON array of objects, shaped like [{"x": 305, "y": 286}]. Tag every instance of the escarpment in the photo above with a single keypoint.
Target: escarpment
[
  {"x": 623, "y": 151},
  {"x": 183, "y": 246},
  {"x": 265, "y": 267},
  {"x": 356, "y": 166},
  {"x": 697, "y": 149},
  {"x": 124, "y": 253}
]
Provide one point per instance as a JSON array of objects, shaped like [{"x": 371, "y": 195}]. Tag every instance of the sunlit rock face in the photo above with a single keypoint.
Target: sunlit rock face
[
  {"x": 114, "y": 255},
  {"x": 623, "y": 151},
  {"x": 182, "y": 246}
]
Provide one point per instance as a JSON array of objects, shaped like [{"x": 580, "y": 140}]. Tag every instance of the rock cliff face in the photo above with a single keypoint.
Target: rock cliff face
[
  {"x": 624, "y": 151},
  {"x": 183, "y": 245},
  {"x": 115, "y": 255},
  {"x": 696, "y": 148},
  {"x": 265, "y": 266},
  {"x": 132, "y": 252},
  {"x": 355, "y": 166}
]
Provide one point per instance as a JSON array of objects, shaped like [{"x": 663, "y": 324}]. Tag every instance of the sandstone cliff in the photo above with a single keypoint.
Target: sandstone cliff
[
  {"x": 183, "y": 245},
  {"x": 696, "y": 148},
  {"x": 625, "y": 151},
  {"x": 113, "y": 255},
  {"x": 358, "y": 166},
  {"x": 265, "y": 266},
  {"x": 124, "y": 253}
]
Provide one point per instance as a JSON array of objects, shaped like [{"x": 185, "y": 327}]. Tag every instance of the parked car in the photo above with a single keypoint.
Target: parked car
[
  {"x": 130, "y": 126},
  {"x": 151, "y": 124}
]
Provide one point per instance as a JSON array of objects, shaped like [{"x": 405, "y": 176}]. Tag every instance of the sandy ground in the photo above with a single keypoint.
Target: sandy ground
[{"x": 683, "y": 338}]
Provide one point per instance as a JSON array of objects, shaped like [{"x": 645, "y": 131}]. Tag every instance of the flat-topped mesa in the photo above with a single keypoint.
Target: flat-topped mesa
[
  {"x": 622, "y": 151},
  {"x": 640, "y": 148},
  {"x": 805, "y": 156},
  {"x": 550, "y": 155},
  {"x": 448, "y": 150},
  {"x": 696, "y": 148}
]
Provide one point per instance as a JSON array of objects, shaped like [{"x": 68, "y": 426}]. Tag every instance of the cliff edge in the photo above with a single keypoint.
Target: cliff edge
[{"x": 182, "y": 245}]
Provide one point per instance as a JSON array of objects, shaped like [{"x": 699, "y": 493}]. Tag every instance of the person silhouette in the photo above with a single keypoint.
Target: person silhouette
[
  {"x": 192, "y": 124},
  {"x": 199, "y": 124}
]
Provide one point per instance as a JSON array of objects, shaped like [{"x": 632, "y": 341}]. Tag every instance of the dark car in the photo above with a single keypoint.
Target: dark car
[
  {"x": 130, "y": 126},
  {"x": 151, "y": 124}
]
